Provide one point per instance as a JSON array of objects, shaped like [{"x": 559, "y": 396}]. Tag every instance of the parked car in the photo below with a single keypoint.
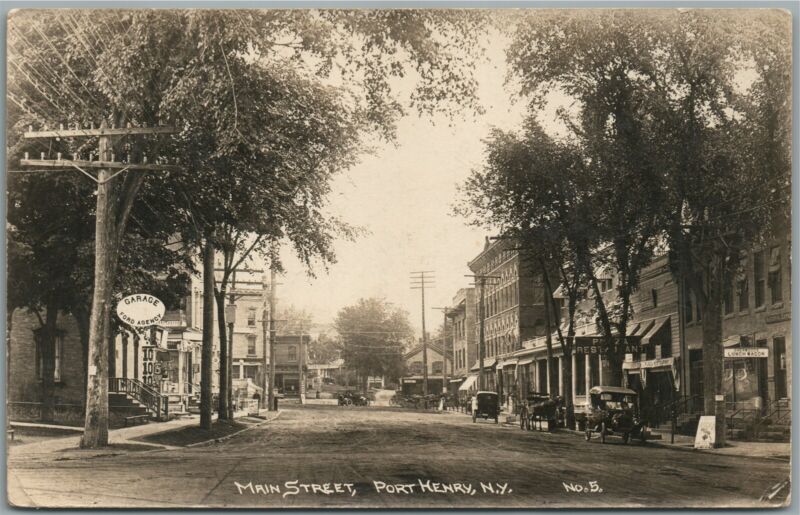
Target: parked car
[
  {"x": 486, "y": 405},
  {"x": 328, "y": 380},
  {"x": 352, "y": 399},
  {"x": 614, "y": 411}
]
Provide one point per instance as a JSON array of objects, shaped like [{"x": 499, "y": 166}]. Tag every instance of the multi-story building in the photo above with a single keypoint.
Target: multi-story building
[
  {"x": 291, "y": 363},
  {"x": 666, "y": 365},
  {"x": 462, "y": 317},
  {"x": 513, "y": 300},
  {"x": 412, "y": 382}
]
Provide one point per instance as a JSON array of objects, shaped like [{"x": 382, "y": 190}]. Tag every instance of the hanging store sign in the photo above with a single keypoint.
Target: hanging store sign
[
  {"x": 597, "y": 345},
  {"x": 753, "y": 352},
  {"x": 140, "y": 310}
]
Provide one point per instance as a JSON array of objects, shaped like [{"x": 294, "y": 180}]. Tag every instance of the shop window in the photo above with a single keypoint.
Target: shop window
[
  {"x": 251, "y": 372},
  {"x": 251, "y": 317},
  {"x": 580, "y": 374},
  {"x": 251, "y": 345},
  {"x": 759, "y": 282},
  {"x": 594, "y": 370},
  {"x": 775, "y": 280}
]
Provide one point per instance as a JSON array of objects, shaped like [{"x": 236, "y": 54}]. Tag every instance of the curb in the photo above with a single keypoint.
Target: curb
[{"x": 228, "y": 437}]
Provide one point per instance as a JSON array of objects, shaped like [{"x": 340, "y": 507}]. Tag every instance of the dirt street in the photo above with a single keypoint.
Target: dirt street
[{"x": 329, "y": 456}]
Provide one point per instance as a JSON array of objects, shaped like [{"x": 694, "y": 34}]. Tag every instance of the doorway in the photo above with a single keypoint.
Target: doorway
[{"x": 779, "y": 366}]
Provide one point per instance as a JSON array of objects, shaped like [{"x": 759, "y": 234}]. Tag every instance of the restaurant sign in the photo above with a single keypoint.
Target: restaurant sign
[
  {"x": 597, "y": 345},
  {"x": 751, "y": 352}
]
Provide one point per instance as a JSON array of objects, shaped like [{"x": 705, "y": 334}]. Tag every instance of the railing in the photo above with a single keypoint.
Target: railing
[
  {"x": 151, "y": 399},
  {"x": 774, "y": 413},
  {"x": 191, "y": 388},
  {"x": 670, "y": 411}
]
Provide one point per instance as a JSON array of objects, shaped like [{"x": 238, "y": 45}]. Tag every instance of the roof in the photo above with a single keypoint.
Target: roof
[
  {"x": 418, "y": 348},
  {"x": 487, "y": 363},
  {"x": 611, "y": 389}
]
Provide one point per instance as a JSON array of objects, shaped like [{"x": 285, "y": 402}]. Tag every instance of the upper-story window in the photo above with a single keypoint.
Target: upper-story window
[
  {"x": 742, "y": 287},
  {"x": 654, "y": 297},
  {"x": 759, "y": 282},
  {"x": 775, "y": 279},
  {"x": 292, "y": 352},
  {"x": 251, "y": 345},
  {"x": 251, "y": 317}
]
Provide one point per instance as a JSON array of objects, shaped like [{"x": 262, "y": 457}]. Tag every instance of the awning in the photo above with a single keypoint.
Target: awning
[
  {"x": 526, "y": 361},
  {"x": 468, "y": 382},
  {"x": 652, "y": 332},
  {"x": 487, "y": 363},
  {"x": 458, "y": 380},
  {"x": 507, "y": 363}
]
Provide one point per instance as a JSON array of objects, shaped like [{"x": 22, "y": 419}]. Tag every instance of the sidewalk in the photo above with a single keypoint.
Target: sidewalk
[
  {"x": 771, "y": 450},
  {"x": 126, "y": 436}
]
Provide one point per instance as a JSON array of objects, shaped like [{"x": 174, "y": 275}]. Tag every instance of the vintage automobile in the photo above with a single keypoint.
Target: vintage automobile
[
  {"x": 542, "y": 409},
  {"x": 614, "y": 411},
  {"x": 486, "y": 405},
  {"x": 352, "y": 399}
]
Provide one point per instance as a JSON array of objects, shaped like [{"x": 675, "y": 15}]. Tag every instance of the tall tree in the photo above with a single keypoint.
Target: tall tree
[
  {"x": 535, "y": 190},
  {"x": 149, "y": 61},
  {"x": 374, "y": 335}
]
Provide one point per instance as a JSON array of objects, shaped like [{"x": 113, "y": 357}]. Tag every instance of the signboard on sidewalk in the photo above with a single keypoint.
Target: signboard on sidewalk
[
  {"x": 706, "y": 432},
  {"x": 752, "y": 352}
]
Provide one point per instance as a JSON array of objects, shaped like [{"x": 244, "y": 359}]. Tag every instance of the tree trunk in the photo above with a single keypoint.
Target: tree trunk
[
  {"x": 96, "y": 420},
  {"x": 47, "y": 340},
  {"x": 206, "y": 370},
  {"x": 712, "y": 360},
  {"x": 224, "y": 366}
]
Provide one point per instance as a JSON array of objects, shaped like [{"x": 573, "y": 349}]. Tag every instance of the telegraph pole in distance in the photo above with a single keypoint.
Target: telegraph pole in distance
[
  {"x": 271, "y": 390},
  {"x": 446, "y": 312},
  {"x": 418, "y": 282},
  {"x": 481, "y": 283}
]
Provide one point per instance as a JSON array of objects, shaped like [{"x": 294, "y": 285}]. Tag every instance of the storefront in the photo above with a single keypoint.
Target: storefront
[{"x": 744, "y": 377}]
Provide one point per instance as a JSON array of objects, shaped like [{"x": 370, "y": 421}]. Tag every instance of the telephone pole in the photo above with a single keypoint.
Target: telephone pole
[
  {"x": 418, "y": 282},
  {"x": 114, "y": 202},
  {"x": 271, "y": 391},
  {"x": 446, "y": 312},
  {"x": 481, "y": 283}
]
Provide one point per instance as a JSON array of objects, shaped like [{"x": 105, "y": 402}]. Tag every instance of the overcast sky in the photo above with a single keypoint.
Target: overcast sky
[{"x": 403, "y": 195}]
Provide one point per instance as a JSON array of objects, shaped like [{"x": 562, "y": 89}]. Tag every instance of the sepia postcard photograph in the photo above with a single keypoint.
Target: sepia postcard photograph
[{"x": 400, "y": 257}]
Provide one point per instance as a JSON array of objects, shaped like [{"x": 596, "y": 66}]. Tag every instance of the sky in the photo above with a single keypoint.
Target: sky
[{"x": 403, "y": 195}]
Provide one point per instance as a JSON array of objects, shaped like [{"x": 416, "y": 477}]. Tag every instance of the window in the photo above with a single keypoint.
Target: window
[
  {"x": 436, "y": 367},
  {"x": 59, "y": 352},
  {"x": 775, "y": 279},
  {"x": 742, "y": 289},
  {"x": 654, "y": 297},
  {"x": 688, "y": 309},
  {"x": 727, "y": 295},
  {"x": 251, "y": 345},
  {"x": 539, "y": 328},
  {"x": 758, "y": 278},
  {"x": 292, "y": 351},
  {"x": 251, "y": 317}
]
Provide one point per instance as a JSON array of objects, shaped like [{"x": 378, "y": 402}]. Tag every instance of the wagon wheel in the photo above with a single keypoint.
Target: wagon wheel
[
  {"x": 348, "y": 402},
  {"x": 602, "y": 432}
]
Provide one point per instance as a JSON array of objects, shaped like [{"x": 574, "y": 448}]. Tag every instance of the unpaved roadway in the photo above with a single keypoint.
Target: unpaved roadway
[{"x": 329, "y": 456}]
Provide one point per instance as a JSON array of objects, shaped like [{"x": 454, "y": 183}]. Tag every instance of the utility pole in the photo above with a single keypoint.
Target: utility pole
[
  {"x": 446, "y": 312},
  {"x": 271, "y": 391},
  {"x": 481, "y": 283},
  {"x": 301, "y": 387},
  {"x": 418, "y": 282},
  {"x": 264, "y": 343},
  {"x": 114, "y": 202},
  {"x": 231, "y": 319}
]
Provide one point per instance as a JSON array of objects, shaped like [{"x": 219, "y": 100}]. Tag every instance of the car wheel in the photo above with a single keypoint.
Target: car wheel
[{"x": 603, "y": 432}]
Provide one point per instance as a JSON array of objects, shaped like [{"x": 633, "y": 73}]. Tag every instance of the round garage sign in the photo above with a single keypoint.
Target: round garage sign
[{"x": 140, "y": 310}]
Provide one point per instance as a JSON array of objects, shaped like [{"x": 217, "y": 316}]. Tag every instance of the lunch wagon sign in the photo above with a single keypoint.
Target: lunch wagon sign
[{"x": 140, "y": 310}]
